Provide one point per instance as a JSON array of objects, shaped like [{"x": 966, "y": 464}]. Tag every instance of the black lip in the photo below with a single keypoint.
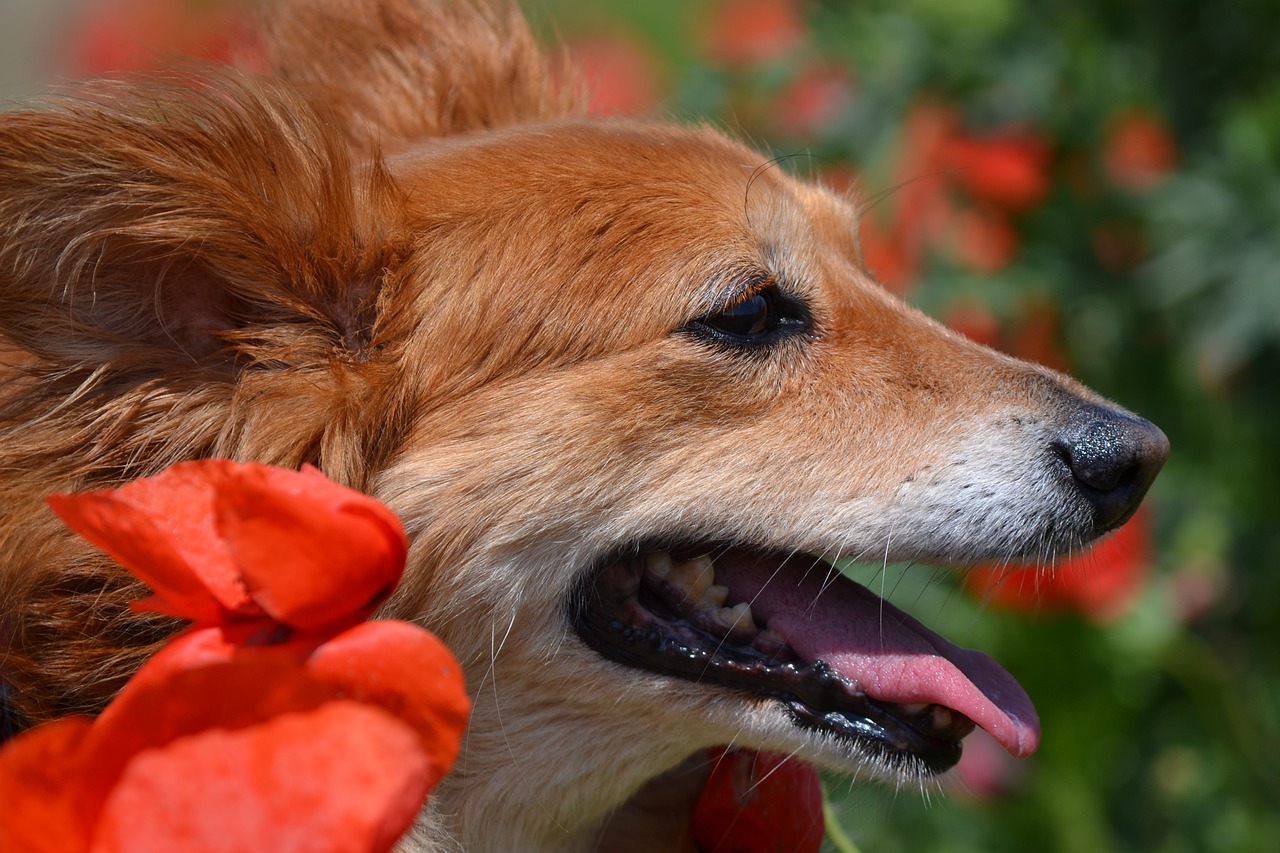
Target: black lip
[{"x": 815, "y": 696}]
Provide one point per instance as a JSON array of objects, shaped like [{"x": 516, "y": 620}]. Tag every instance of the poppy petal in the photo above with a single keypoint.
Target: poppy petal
[
  {"x": 38, "y": 810},
  {"x": 272, "y": 786},
  {"x": 163, "y": 530},
  {"x": 407, "y": 671},
  {"x": 759, "y": 802},
  {"x": 313, "y": 553},
  {"x": 164, "y": 702}
]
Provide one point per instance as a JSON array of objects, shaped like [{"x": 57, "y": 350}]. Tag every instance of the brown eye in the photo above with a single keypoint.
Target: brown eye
[
  {"x": 757, "y": 320},
  {"x": 748, "y": 318}
]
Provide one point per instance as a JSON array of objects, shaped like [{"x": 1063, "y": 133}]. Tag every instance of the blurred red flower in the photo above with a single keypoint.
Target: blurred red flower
[
  {"x": 1139, "y": 151},
  {"x": 974, "y": 320},
  {"x": 279, "y": 718},
  {"x": 1101, "y": 583},
  {"x": 1009, "y": 168},
  {"x": 137, "y": 35},
  {"x": 887, "y": 254},
  {"x": 918, "y": 209},
  {"x": 759, "y": 802},
  {"x": 619, "y": 76},
  {"x": 815, "y": 97},
  {"x": 984, "y": 239},
  {"x": 753, "y": 32},
  {"x": 1036, "y": 333},
  {"x": 998, "y": 176},
  {"x": 921, "y": 190},
  {"x": 986, "y": 771}
]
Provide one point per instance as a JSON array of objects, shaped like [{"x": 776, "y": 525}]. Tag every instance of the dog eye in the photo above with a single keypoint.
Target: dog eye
[
  {"x": 749, "y": 318},
  {"x": 757, "y": 319}
]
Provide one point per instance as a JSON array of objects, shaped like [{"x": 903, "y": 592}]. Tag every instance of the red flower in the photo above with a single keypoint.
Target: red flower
[
  {"x": 986, "y": 770},
  {"x": 984, "y": 239},
  {"x": 1101, "y": 583},
  {"x": 753, "y": 32},
  {"x": 975, "y": 321},
  {"x": 925, "y": 212},
  {"x": 1139, "y": 151},
  {"x": 1002, "y": 174},
  {"x": 759, "y": 802},
  {"x": 247, "y": 547},
  {"x": 1037, "y": 334},
  {"x": 1009, "y": 169},
  {"x": 619, "y": 76},
  {"x": 815, "y": 97},
  {"x": 279, "y": 718},
  {"x": 136, "y": 35},
  {"x": 887, "y": 254}
]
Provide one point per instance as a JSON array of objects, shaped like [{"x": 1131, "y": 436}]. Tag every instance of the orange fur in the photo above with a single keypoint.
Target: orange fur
[{"x": 404, "y": 256}]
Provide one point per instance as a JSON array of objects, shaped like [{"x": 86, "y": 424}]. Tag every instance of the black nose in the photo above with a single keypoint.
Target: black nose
[{"x": 1113, "y": 456}]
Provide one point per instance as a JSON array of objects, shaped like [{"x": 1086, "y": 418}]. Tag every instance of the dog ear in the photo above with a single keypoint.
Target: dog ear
[
  {"x": 216, "y": 222},
  {"x": 400, "y": 70}
]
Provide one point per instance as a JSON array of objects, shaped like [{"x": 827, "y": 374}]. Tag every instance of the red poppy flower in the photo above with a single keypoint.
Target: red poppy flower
[
  {"x": 886, "y": 254},
  {"x": 1037, "y": 333},
  {"x": 975, "y": 321},
  {"x": 815, "y": 97},
  {"x": 250, "y": 546},
  {"x": 248, "y": 754},
  {"x": 36, "y": 813},
  {"x": 986, "y": 770},
  {"x": 351, "y": 776},
  {"x": 984, "y": 239},
  {"x": 1009, "y": 169},
  {"x": 925, "y": 213},
  {"x": 1139, "y": 151},
  {"x": 619, "y": 76},
  {"x": 1101, "y": 583},
  {"x": 759, "y": 802},
  {"x": 753, "y": 32},
  {"x": 279, "y": 717},
  {"x": 137, "y": 35}
]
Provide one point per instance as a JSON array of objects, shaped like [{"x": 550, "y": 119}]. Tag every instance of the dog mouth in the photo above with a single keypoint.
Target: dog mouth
[{"x": 792, "y": 629}]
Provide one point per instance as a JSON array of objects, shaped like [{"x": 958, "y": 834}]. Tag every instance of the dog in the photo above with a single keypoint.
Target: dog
[{"x": 627, "y": 384}]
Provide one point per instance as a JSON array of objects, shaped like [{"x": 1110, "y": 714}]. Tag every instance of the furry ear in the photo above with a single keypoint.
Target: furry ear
[
  {"x": 220, "y": 220},
  {"x": 211, "y": 221},
  {"x": 400, "y": 70}
]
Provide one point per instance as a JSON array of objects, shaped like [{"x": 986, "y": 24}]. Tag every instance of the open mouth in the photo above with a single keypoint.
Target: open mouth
[{"x": 792, "y": 629}]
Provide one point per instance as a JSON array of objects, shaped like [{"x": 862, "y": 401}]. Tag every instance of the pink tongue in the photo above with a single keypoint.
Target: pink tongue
[{"x": 885, "y": 653}]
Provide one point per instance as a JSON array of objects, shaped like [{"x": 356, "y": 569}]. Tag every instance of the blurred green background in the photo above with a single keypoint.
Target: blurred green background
[{"x": 1094, "y": 184}]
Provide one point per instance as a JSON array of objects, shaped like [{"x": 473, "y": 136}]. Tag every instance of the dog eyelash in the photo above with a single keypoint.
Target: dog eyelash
[{"x": 758, "y": 318}]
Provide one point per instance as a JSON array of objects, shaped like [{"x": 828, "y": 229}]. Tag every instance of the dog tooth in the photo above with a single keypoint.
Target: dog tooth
[
  {"x": 657, "y": 563},
  {"x": 942, "y": 718},
  {"x": 680, "y": 577},
  {"x": 770, "y": 641},
  {"x": 915, "y": 708},
  {"x": 738, "y": 616},
  {"x": 728, "y": 617},
  {"x": 694, "y": 576},
  {"x": 713, "y": 597}
]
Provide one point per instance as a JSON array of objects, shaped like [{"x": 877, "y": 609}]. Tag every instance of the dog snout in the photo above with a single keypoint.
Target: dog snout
[{"x": 1113, "y": 457}]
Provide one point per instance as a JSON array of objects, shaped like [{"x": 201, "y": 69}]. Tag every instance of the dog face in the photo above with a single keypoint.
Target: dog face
[
  {"x": 626, "y": 384},
  {"x": 696, "y": 393}
]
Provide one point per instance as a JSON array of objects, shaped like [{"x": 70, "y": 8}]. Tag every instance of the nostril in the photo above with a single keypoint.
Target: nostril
[
  {"x": 1099, "y": 455},
  {"x": 1114, "y": 456}
]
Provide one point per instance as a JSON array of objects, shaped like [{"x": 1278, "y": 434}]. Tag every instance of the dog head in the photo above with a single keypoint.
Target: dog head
[
  {"x": 627, "y": 385},
  {"x": 697, "y": 401}
]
